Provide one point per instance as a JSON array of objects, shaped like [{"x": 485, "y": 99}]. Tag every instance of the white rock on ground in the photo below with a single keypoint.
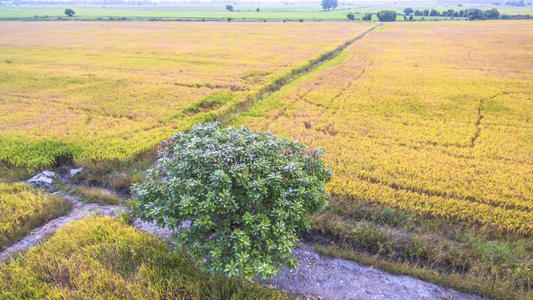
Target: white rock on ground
[
  {"x": 74, "y": 172},
  {"x": 43, "y": 178}
]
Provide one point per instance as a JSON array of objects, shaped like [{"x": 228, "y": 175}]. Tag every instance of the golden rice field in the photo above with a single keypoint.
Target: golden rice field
[
  {"x": 397, "y": 116},
  {"x": 106, "y": 91},
  {"x": 428, "y": 128},
  {"x": 24, "y": 209}
]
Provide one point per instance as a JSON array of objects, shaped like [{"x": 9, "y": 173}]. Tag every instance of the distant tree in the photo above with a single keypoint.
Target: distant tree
[
  {"x": 492, "y": 14},
  {"x": 434, "y": 13},
  {"x": 517, "y": 3},
  {"x": 387, "y": 16},
  {"x": 257, "y": 9},
  {"x": 229, "y": 7},
  {"x": 419, "y": 13},
  {"x": 474, "y": 14},
  {"x": 350, "y": 16},
  {"x": 459, "y": 5},
  {"x": 329, "y": 4},
  {"x": 408, "y": 11},
  {"x": 426, "y": 12},
  {"x": 411, "y": 18},
  {"x": 367, "y": 17},
  {"x": 69, "y": 12},
  {"x": 448, "y": 13}
]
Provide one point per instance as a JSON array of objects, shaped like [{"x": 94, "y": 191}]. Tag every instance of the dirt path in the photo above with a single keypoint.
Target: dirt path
[
  {"x": 333, "y": 278},
  {"x": 79, "y": 211}
]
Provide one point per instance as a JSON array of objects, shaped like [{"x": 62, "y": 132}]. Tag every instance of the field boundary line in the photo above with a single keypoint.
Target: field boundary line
[
  {"x": 276, "y": 85},
  {"x": 480, "y": 116}
]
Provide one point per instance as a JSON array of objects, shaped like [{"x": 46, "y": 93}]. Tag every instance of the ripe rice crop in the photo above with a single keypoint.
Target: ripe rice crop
[
  {"x": 428, "y": 129},
  {"x": 398, "y": 117},
  {"x": 109, "y": 91}
]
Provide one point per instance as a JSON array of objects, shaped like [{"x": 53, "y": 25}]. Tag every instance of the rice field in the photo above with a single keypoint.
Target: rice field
[
  {"x": 428, "y": 127},
  {"x": 98, "y": 91},
  {"x": 24, "y": 209},
  {"x": 429, "y": 122}
]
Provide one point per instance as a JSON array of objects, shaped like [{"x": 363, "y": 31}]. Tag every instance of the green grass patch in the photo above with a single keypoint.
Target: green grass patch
[
  {"x": 473, "y": 261},
  {"x": 22, "y": 209},
  {"x": 210, "y": 102},
  {"x": 35, "y": 155},
  {"x": 104, "y": 258}
]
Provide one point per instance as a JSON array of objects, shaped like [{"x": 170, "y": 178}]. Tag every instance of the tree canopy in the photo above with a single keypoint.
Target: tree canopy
[
  {"x": 245, "y": 195},
  {"x": 329, "y": 4}
]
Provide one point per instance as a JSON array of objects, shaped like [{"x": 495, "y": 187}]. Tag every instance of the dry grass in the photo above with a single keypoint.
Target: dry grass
[
  {"x": 94, "y": 91},
  {"x": 98, "y": 195},
  {"x": 432, "y": 120}
]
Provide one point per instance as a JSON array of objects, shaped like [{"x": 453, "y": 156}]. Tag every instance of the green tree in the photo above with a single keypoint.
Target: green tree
[
  {"x": 329, "y": 4},
  {"x": 367, "y": 17},
  {"x": 229, "y": 7},
  {"x": 408, "y": 11},
  {"x": 434, "y": 13},
  {"x": 245, "y": 195},
  {"x": 449, "y": 13},
  {"x": 474, "y": 14},
  {"x": 350, "y": 16},
  {"x": 69, "y": 12},
  {"x": 492, "y": 14},
  {"x": 387, "y": 16}
]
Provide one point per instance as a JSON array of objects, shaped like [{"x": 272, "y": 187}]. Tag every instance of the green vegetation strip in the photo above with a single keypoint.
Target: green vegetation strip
[{"x": 228, "y": 116}]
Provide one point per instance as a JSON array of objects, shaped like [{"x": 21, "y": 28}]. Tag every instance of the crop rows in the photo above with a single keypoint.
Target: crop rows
[
  {"x": 396, "y": 116},
  {"x": 97, "y": 92}
]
